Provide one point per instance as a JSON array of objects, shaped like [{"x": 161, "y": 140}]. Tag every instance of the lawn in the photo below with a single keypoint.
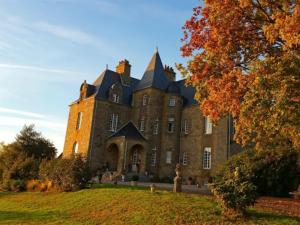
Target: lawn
[{"x": 108, "y": 204}]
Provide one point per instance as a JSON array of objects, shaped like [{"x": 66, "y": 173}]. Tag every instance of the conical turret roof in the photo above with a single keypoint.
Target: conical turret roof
[{"x": 154, "y": 75}]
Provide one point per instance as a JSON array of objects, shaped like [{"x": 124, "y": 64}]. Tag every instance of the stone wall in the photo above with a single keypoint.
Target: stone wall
[
  {"x": 196, "y": 140},
  {"x": 83, "y": 134},
  {"x": 100, "y": 124}
]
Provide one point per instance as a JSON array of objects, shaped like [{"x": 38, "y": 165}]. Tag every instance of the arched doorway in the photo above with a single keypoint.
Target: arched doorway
[
  {"x": 112, "y": 158},
  {"x": 136, "y": 161}
]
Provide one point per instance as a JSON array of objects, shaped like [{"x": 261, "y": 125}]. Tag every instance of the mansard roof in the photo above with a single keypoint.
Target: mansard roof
[
  {"x": 129, "y": 130},
  {"x": 154, "y": 76}
]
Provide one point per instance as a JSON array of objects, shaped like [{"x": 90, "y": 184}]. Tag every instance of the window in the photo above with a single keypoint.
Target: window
[
  {"x": 171, "y": 123},
  {"x": 153, "y": 157},
  {"x": 156, "y": 126},
  {"x": 185, "y": 127},
  {"x": 208, "y": 126},
  {"x": 113, "y": 122},
  {"x": 168, "y": 157},
  {"x": 115, "y": 98},
  {"x": 185, "y": 158},
  {"x": 79, "y": 118},
  {"x": 207, "y": 158},
  {"x": 75, "y": 148},
  {"x": 135, "y": 157},
  {"x": 145, "y": 100},
  {"x": 142, "y": 124},
  {"x": 172, "y": 102}
]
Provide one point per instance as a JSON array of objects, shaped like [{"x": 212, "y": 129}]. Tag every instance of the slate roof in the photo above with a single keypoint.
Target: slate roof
[
  {"x": 129, "y": 130},
  {"x": 154, "y": 76}
]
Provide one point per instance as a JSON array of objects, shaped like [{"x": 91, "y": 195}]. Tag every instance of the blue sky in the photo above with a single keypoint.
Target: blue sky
[{"x": 48, "y": 47}]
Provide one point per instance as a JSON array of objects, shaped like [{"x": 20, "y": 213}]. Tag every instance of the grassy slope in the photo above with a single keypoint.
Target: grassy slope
[{"x": 122, "y": 205}]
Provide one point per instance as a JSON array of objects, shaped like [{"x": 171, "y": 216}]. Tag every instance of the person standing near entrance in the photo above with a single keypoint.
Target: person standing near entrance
[{"x": 138, "y": 163}]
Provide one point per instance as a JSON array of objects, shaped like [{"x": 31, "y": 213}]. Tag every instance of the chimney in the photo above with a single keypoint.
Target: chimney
[
  {"x": 123, "y": 68},
  {"x": 170, "y": 73}
]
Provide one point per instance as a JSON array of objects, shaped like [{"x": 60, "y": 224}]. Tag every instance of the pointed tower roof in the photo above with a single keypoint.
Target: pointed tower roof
[{"x": 154, "y": 75}]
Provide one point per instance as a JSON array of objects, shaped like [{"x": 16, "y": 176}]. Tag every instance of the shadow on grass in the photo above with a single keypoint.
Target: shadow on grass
[
  {"x": 7, "y": 193},
  {"x": 11, "y": 216},
  {"x": 271, "y": 216},
  {"x": 117, "y": 186}
]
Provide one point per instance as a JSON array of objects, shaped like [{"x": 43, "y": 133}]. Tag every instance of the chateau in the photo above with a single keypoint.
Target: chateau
[{"x": 128, "y": 125}]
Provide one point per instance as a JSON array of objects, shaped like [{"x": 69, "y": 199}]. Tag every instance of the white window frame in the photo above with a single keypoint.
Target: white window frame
[
  {"x": 185, "y": 158},
  {"x": 156, "y": 127},
  {"x": 208, "y": 126},
  {"x": 172, "y": 102},
  {"x": 145, "y": 100},
  {"x": 153, "y": 157},
  {"x": 171, "y": 121},
  {"x": 115, "y": 98},
  {"x": 79, "y": 119},
  {"x": 113, "y": 122},
  {"x": 135, "y": 157},
  {"x": 185, "y": 126},
  {"x": 142, "y": 124},
  {"x": 168, "y": 157},
  {"x": 75, "y": 147},
  {"x": 207, "y": 158}
]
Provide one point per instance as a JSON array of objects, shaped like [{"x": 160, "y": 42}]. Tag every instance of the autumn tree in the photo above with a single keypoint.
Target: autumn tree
[{"x": 244, "y": 60}]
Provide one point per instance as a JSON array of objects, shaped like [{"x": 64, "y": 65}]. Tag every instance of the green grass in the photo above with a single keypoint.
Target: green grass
[{"x": 109, "y": 204}]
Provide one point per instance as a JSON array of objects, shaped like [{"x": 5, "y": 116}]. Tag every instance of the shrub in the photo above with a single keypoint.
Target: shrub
[
  {"x": 235, "y": 192},
  {"x": 273, "y": 172},
  {"x": 65, "y": 174},
  {"x": 135, "y": 178}
]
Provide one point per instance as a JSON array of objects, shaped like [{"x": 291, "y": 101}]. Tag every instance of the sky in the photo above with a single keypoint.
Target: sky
[{"x": 48, "y": 47}]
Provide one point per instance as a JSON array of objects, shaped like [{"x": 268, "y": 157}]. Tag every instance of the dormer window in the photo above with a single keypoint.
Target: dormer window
[
  {"x": 115, "y": 98},
  {"x": 172, "y": 102},
  {"x": 145, "y": 100}
]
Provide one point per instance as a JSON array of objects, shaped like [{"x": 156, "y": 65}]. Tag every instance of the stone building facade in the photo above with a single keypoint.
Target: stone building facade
[{"x": 128, "y": 125}]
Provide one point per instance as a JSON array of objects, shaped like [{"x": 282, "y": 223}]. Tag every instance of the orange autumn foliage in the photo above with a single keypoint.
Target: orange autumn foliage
[{"x": 228, "y": 42}]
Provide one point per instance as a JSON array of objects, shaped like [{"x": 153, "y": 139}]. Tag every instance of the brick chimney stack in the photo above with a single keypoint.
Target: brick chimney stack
[
  {"x": 170, "y": 72},
  {"x": 123, "y": 68}
]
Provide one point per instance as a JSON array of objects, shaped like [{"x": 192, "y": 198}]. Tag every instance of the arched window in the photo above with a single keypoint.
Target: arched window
[{"x": 75, "y": 147}]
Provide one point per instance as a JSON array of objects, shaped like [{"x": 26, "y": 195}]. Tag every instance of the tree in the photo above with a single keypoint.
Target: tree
[
  {"x": 20, "y": 160},
  {"x": 33, "y": 144},
  {"x": 244, "y": 59}
]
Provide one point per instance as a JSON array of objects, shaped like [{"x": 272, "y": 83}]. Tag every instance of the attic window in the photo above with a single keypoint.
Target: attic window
[
  {"x": 115, "y": 98},
  {"x": 172, "y": 102}
]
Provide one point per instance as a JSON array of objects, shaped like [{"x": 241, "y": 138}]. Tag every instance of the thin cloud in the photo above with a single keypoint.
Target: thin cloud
[
  {"x": 75, "y": 35},
  {"x": 20, "y": 112},
  {"x": 14, "y": 121},
  {"x": 35, "y": 68}
]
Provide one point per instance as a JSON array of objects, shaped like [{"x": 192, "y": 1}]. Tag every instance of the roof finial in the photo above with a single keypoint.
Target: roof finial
[
  {"x": 156, "y": 49},
  {"x": 106, "y": 66}
]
